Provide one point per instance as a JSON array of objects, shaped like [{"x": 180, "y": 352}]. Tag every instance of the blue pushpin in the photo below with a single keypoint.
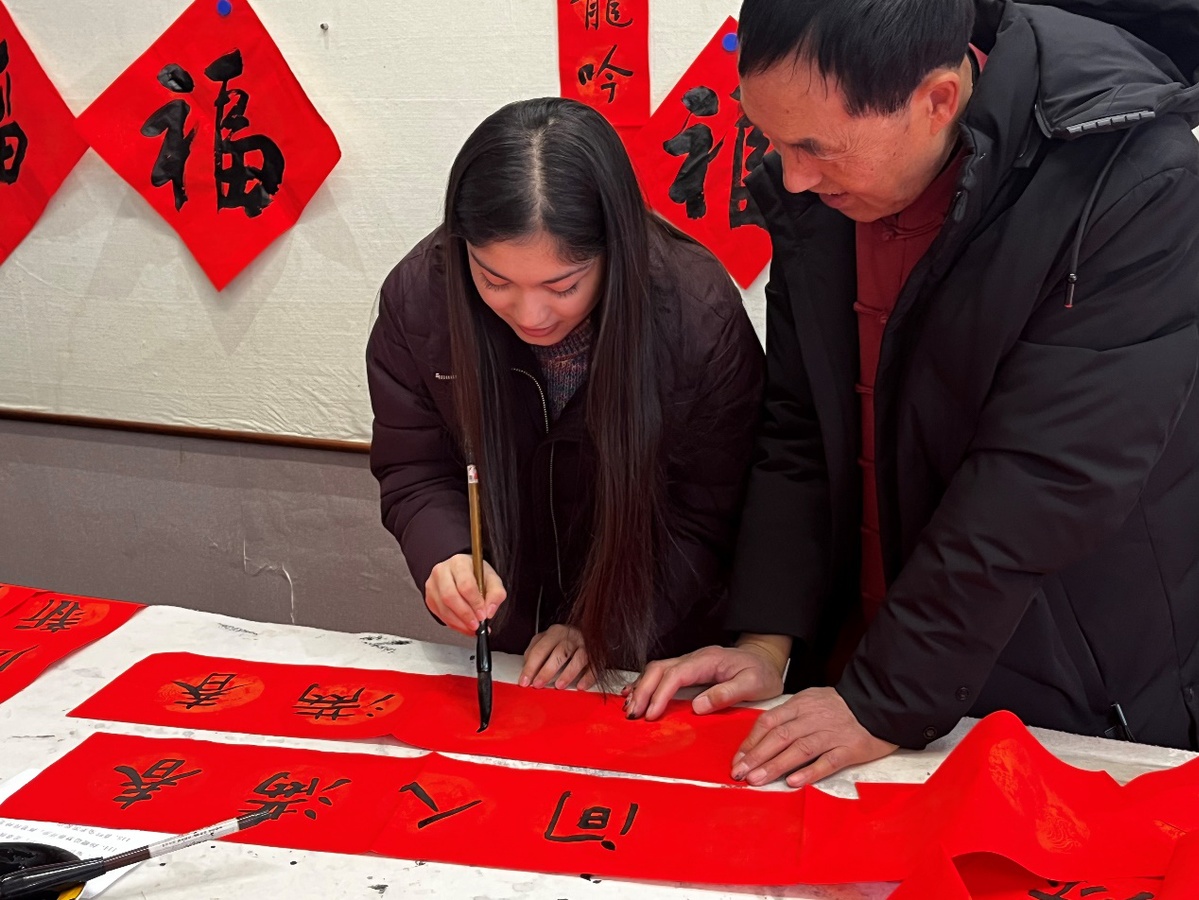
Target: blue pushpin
[
  {"x": 224, "y": 7},
  {"x": 729, "y": 41}
]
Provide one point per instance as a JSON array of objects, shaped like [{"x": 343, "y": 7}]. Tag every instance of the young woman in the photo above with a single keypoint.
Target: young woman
[{"x": 599, "y": 369}]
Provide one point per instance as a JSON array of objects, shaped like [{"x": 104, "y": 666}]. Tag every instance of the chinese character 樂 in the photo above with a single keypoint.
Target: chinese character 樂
[{"x": 282, "y": 793}]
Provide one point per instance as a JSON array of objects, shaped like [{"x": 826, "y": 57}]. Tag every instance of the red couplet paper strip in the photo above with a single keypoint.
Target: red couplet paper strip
[
  {"x": 211, "y": 126},
  {"x": 575, "y": 728},
  {"x": 318, "y": 801},
  {"x": 987, "y": 877},
  {"x": 434, "y": 712},
  {"x": 603, "y": 56},
  {"x": 566, "y": 822},
  {"x": 45, "y": 626},
  {"x": 695, "y": 153},
  {"x": 1001, "y": 793},
  {"x": 13, "y": 596},
  {"x": 213, "y": 694},
  {"x": 430, "y": 808},
  {"x": 39, "y": 143}
]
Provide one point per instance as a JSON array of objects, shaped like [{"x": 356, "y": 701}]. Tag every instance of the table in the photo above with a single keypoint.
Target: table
[{"x": 34, "y": 730}]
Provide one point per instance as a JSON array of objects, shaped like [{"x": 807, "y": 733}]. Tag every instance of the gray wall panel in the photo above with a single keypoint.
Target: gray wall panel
[{"x": 268, "y": 533}]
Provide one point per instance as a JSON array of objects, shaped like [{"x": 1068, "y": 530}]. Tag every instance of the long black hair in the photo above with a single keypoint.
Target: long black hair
[{"x": 556, "y": 166}]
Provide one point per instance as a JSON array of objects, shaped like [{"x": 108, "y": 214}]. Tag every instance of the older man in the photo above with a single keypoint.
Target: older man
[{"x": 977, "y": 481}]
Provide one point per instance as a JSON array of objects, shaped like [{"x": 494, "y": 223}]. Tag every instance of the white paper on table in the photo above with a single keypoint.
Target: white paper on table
[{"x": 82, "y": 840}]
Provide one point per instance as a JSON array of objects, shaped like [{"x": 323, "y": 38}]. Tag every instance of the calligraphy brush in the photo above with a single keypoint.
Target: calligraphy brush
[
  {"x": 482, "y": 641},
  {"x": 27, "y": 882}
]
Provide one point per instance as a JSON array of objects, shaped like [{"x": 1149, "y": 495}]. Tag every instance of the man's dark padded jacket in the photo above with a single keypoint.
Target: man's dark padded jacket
[{"x": 1037, "y": 453}]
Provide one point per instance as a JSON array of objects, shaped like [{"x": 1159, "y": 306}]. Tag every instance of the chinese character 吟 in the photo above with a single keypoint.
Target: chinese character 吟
[
  {"x": 588, "y": 73},
  {"x": 13, "y": 142},
  {"x": 209, "y": 691},
  {"x": 592, "y": 824},
  {"x": 54, "y": 616},
  {"x": 316, "y": 705},
  {"x": 282, "y": 793},
  {"x": 417, "y": 791},
  {"x": 609, "y": 14},
  {"x": 695, "y": 143},
  {"x": 248, "y": 170},
  {"x": 143, "y": 785},
  {"x": 9, "y": 657}
]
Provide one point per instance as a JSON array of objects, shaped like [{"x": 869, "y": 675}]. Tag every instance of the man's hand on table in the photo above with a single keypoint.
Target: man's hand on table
[
  {"x": 815, "y": 730},
  {"x": 812, "y": 735},
  {"x": 753, "y": 670}
]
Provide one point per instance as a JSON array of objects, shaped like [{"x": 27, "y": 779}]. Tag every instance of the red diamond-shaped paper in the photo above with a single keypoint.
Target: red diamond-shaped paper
[
  {"x": 211, "y": 126},
  {"x": 39, "y": 144},
  {"x": 693, "y": 156}
]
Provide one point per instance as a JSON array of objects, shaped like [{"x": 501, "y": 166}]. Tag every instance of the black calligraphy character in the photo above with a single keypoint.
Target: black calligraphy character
[
  {"x": 54, "y": 616},
  {"x": 742, "y": 208},
  {"x": 611, "y": 14},
  {"x": 588, "y": 73},
  {"x": 313, "y": 704},
  {"x": 241, "y": 185},
  {"x": 592, "y": 819},
  {"x": 13, "y": 142},
  {"x": 695, "y": 143},
  {"x": 208, "y": 692},
  {"x": 171, "y": 120},
  {"x": 1065, "y": 888},
  {"x": 144, "y": 785},
  {"x": 419, "y": 792},
  {"x": 9, "y": 657},
  {"x": 283, "y": 793}
]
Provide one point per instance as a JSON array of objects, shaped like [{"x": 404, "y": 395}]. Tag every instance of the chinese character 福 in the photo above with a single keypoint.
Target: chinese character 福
[
  {"x": 695, "y": 143},
  {"x": 13, "y": 142}
]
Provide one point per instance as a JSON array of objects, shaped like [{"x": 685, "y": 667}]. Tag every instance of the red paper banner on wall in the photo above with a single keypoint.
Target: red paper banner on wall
[
  {"x": 39, "y": 144},
  {"x": 434, "y": 712},
  {"x": 429, "y": 808},
  {"x": 695, "y": 153},
  {"x": 43, "y": 627},
  {"x": 603, "y": 56},
  {"x": 211, "y": 126}
]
